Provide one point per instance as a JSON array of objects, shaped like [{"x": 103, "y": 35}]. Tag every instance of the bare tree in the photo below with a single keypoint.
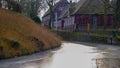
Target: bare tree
[
  {"x": 50, "y": 4},
  {"x": 11, "y": 5},
  {"x": 15, "y": 6},
  {"x": 31, "y": 8},
  {"x": 114, "y": 5}
]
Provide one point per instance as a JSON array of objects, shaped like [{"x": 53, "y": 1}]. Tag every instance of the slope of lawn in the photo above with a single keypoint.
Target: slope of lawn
[{"x": 19, "y": 35}]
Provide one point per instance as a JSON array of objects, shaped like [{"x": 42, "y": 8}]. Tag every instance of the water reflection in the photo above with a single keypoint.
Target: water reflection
[
  {"x": 38, "y": 63},
  {"x": 70, "y": 55},
  {"x": 108, "y": 63}
]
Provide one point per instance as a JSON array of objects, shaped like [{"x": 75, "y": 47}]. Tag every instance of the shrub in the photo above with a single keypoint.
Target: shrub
[
  {"x": 82, "y": 36},
  {"x": 118, "y": 39},
  {"x": 37, "y": 19},
  {"x": 101, "y": 39}
]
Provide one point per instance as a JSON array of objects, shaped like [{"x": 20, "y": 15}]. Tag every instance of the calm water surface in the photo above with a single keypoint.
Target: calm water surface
[{"x": 70, "y": 55}]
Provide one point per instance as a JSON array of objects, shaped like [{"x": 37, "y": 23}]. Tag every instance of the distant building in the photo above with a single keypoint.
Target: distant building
[
  {"x": 58, "y": 9},
  {"x": 84, "y": 13},
  {"x": 92, "y": 13}
]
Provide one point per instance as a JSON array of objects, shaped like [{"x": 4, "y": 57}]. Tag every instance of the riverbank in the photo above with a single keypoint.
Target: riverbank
[
  {"x": 20, "y": 35},
  {"x": 70, "y": 55},
  {"x": 95, "y": 36}
]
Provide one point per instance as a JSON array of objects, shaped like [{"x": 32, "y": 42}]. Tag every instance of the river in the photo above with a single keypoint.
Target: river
[{"x": 69, "y": 55}]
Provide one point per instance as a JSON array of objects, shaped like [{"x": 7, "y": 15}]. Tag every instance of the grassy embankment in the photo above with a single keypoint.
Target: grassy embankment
[{"x": 19, "y": 35}]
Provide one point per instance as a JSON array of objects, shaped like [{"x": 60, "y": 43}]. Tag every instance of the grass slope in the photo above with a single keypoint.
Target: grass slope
[{"x": 19, "y": 35}]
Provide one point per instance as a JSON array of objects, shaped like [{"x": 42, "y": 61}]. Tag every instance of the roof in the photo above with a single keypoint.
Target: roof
[
  {"x": 46, "y": 13},
  {"x": 64, "y": 1},
  {"x": 61, "y": 1},
  {"x": 90, "y": 7},
  {"x": 68, "y": 10},
  {"x": 65, "y": 12},
  {"x": 79, "y": 5}
]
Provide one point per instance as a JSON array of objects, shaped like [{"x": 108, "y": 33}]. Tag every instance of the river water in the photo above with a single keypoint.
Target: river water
[{"x": 69, "y": 55}]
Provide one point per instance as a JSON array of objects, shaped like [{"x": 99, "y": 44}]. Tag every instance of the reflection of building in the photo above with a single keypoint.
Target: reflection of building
[{"x": 83, "y": 13}]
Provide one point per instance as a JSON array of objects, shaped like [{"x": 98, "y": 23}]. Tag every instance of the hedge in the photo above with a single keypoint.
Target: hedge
[{"x": 103, "y": 37}]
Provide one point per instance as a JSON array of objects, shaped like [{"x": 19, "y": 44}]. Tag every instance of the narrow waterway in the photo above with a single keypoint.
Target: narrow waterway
[{"x": 69, "y": 55}]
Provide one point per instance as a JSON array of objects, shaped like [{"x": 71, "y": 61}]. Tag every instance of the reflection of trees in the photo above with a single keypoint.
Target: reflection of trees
[
  {"x": 41, "y": 62},
  {"x": 108, "y": 63}
]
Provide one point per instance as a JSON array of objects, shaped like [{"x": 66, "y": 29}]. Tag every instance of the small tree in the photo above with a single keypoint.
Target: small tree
[{"x": 37, "y": 19}]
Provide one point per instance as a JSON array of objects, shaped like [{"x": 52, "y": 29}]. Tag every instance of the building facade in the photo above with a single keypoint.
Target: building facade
[
  {"x": 57, "y": 11},
  {"x": 86, "y": 14}
]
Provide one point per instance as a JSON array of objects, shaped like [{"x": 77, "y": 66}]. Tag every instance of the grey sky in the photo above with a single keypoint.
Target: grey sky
[{"x": 74, "y": 0}]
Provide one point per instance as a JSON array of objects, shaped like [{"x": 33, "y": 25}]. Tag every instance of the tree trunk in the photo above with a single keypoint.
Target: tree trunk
[
  {"x": 51, "y": 17},
  {"x": 50, "y": 4},
  {"x": 117, "y": 14},
  {"x": 105, "y": 13},
  {"x": 0, "y": 4}
]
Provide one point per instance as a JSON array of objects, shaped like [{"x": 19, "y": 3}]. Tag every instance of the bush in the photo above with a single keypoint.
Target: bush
[
  {"x": 37, "y": 19},
  {"x": 81, "y": 36},
  {"x": 118, "y": 39},
  {"x": 95, "y": 36},
  {"x": 70, "y": 36},
  {"x": 98, "y": 39}
]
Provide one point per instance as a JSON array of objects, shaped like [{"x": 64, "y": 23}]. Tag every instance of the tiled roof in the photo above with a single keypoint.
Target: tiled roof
[
  {"x": 79, "y": 5},
  {"x": 64, "y": 1},
  {"x": 90, "y": 7}
]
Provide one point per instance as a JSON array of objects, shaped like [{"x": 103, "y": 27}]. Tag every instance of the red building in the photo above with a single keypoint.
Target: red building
[{"x": 84, "y": 13}]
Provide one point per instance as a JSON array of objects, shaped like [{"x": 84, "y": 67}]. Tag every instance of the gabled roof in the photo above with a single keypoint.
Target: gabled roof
[
  {"x": 46, "y": 13},
  {"x": 65, "y": 12},
  {"x": 90, "y": 7},
  {"x": 64, "y": 1},
  {"x": 79, "y": 5},
  {"x": 61, "y": 1},
  {"x": 68, "y": 10}
]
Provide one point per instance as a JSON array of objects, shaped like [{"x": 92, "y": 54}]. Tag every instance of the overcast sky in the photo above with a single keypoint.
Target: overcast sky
[{"x": 74, "y": 0}]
